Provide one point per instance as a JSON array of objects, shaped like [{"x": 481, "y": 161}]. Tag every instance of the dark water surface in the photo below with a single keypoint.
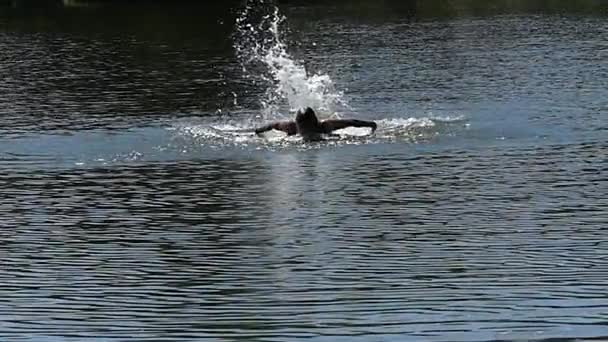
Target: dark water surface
[{"x": 477, "y": 212}]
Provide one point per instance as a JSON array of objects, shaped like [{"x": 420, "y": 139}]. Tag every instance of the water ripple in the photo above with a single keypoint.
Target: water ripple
[{"x": 433, "y": 246}]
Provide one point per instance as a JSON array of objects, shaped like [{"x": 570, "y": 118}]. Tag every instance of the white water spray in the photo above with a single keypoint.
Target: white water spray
[
  {"x": 286, "y": 87},
  {"x": 263, "y": 54}
]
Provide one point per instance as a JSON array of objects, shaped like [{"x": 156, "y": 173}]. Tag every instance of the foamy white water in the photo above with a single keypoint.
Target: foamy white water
[
  {"x": 393, "y": 129},
  {"x": 262, "y": 49}
]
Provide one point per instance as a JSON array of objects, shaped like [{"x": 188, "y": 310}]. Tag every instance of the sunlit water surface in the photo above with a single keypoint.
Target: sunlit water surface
[{"x": 133, "y": 209}]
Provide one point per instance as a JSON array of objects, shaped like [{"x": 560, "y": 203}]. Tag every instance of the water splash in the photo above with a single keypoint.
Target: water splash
[
  {"x": 410, "y": 130},
  {"x": 262, "y": 50}
]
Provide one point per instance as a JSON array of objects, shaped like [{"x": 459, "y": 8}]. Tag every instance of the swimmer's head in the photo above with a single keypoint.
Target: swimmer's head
[
  {"x": 307, "y": 117},
  {"x": 307, "y": 122}
]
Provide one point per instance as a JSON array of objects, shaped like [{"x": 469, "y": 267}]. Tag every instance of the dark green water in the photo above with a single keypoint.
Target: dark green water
[{"x": 129, "y": 210}]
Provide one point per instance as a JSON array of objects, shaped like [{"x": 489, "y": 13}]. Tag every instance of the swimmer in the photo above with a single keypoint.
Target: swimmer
[{"x": 310, "y": 128}]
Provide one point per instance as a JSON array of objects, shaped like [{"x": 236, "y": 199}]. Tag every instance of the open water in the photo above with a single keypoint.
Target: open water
[{"x": 133, "y": 209}]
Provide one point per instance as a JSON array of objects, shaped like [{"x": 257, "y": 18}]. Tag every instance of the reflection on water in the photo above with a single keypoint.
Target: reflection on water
[
  {"x": 459, "y": 246},
  {"x": 131, "y": 210}
]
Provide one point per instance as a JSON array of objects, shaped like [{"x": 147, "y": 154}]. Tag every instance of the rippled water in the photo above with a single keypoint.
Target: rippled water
[{"x": 130, "y": 210}]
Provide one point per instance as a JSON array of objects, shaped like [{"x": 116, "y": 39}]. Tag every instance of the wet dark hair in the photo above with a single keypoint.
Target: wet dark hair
[{"x": 307, "y": 121}]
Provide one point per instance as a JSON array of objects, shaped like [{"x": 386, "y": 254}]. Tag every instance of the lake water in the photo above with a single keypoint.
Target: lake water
[{"x": 131, "y": 208}]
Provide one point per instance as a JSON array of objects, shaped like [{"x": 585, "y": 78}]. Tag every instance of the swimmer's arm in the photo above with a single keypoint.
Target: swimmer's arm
[
  {"x": 288, "y": 127},
  {"x": 332, "y": 125},
  {"x": 263, "y": 129}
]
